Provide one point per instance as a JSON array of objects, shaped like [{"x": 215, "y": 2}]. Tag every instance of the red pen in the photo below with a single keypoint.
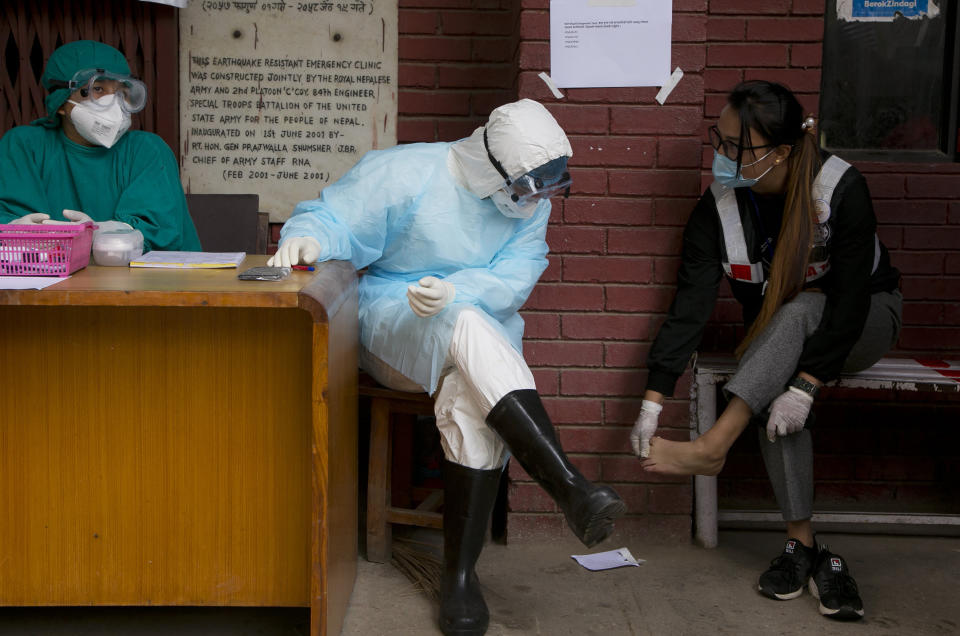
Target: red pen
[{"x": 305, "y": 268}]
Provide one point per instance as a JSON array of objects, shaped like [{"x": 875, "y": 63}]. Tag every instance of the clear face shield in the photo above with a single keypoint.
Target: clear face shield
[
  {"x": 519, "y": 196},
  {"x": 100, "y": 90},
  {"x": 540, "y": 183}
]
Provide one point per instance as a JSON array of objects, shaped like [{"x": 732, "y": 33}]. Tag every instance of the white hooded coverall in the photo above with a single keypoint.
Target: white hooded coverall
[{"x": 424, "y": 210}]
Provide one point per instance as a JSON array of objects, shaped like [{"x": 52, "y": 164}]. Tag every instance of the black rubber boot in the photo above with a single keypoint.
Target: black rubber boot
[
  {"x": 468, "y": 498},
  {"x": 523, "y": 424}
]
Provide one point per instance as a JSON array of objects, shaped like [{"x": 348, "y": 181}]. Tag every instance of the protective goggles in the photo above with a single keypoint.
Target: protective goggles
[
  {"x": 542, "y": 182},
  {"x": 93, "y": 84}
]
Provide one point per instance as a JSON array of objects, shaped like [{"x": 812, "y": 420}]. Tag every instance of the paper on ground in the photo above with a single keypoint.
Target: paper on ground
[
  {"x": 607, "y": 560},
  {"x": 29, "y": 282}
]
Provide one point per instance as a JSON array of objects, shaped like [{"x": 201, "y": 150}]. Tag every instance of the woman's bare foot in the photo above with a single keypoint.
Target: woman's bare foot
[{"x": 683, "y": 458}]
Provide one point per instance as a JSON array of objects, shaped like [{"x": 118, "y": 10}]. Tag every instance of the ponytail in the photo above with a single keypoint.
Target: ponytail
[
  {"x": 772, "y": 110},
  {"x": 789, "y": 267}
]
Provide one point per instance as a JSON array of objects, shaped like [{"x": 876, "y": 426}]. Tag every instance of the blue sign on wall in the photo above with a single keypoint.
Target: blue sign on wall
[{"x": 888, "y": 8}]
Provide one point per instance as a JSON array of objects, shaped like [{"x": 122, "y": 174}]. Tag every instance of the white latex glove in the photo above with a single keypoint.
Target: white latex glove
[
  {"x": 430, "y": 296},
  {"x": 645, "y": 427},
  {"x": 75, "y": 216},
  {"x": 788, "y": 413},
  {"x": 297, "y": 250},
  {"x": 34, "y": 218}
]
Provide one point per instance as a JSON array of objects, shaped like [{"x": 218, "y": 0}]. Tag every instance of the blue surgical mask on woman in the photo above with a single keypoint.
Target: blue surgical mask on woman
[{"x": 725, "y": 171}]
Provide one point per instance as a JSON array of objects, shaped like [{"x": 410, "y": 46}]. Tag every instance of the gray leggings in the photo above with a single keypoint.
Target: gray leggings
[{"x": 771, "y": 362}]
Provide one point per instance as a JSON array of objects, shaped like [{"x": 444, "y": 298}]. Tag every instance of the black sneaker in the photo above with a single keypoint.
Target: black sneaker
[
  {"x": 787, "y": 574},
  {"x": 832, "y": 584}
]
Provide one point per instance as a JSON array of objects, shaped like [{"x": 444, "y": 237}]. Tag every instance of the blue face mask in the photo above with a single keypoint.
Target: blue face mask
[{"x": 725, "y": 171}]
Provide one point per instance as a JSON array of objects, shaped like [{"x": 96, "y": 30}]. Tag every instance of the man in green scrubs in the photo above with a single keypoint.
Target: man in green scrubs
[{"x": 81, "y": 162}]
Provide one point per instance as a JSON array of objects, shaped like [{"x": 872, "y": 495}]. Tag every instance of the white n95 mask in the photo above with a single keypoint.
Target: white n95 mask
[
  {"x": 101, "y": 126},
  {"x": 510, "y": 208}
]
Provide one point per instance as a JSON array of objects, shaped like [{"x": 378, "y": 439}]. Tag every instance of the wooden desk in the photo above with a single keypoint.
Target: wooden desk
[{"x": 180, "y": 438}]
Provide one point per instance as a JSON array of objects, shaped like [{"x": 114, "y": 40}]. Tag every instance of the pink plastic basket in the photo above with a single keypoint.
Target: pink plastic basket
[{"x": 44, "y": 250}]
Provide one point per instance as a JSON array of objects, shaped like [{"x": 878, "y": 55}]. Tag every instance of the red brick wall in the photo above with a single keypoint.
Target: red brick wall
[
  {"x": 457, "y": 63},
  {"x": 614, "y": 254},
  {"x": 638, "y": 167}
]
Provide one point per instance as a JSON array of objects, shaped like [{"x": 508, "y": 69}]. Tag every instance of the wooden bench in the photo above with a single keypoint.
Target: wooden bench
[
  {"x": 902, "y": 374},
  {"x": 381, "y": 514}
]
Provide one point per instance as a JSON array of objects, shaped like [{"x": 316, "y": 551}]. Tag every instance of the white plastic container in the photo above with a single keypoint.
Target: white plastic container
[{"x": 117, "y": 247}]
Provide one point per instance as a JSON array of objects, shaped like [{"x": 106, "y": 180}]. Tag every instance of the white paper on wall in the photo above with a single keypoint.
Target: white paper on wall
[{"x": 610, "y": 43}]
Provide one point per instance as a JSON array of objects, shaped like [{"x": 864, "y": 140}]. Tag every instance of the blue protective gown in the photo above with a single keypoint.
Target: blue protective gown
[{"x": 401, "y": 214}]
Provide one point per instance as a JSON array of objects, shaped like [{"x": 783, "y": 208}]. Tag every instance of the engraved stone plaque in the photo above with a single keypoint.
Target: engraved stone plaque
[{"x": 281, "y": 98}]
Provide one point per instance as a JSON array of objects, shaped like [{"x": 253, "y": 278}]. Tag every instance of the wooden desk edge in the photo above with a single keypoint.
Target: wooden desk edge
[
  {"x": 321, "y": 297},
  {"x": 335, "y": 282},
  {"x": 119, "y": 298},
  {"x": 331, "y": 299}
]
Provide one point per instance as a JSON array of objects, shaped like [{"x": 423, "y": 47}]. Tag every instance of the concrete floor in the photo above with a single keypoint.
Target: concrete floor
[{"x": 909, "y": 586}]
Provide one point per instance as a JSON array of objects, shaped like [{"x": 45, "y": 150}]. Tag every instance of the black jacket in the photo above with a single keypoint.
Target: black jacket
[{"x": 847, "y": 285}]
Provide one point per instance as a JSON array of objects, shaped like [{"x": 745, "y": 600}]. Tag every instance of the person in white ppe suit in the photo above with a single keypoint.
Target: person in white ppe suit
[{"x": 452, "y": 236}]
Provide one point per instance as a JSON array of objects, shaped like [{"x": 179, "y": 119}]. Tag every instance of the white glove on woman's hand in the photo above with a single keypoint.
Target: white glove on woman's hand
[
  {"x": 297, "y": 250},
  {"x": 430, "y": 296},
  {"x": 645, "y": 427},
  {"x": 34, "y": 218},
  {"x": 74, "y": 217},
  {"x": 788, "y": 413},
  {"x": 77, "y": 218}
]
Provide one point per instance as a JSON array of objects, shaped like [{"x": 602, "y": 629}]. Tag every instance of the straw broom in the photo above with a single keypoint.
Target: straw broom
[{"x": 419, "y": 562}]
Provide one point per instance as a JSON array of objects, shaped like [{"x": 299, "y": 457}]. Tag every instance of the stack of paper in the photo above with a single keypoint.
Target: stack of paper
[
  {"x": 189, "y": 260},
  {"x": 29, "y": 282}
]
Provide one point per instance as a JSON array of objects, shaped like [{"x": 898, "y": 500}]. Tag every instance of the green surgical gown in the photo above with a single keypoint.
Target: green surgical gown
[{"x": 137, "y": 181}]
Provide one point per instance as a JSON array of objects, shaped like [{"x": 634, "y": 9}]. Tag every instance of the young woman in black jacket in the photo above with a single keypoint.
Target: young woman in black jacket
[{"x": 793, "y": 230}]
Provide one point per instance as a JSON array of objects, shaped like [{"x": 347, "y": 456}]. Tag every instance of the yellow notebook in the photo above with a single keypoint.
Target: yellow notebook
[{"x": 189, "y": 260}]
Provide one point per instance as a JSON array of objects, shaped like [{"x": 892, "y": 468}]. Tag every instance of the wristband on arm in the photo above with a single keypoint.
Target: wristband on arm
[{"x": 806, "y": 386}]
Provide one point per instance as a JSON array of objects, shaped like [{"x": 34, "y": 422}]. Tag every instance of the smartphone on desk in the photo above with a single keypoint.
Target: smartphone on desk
[{"x": 264, "y": 273}]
